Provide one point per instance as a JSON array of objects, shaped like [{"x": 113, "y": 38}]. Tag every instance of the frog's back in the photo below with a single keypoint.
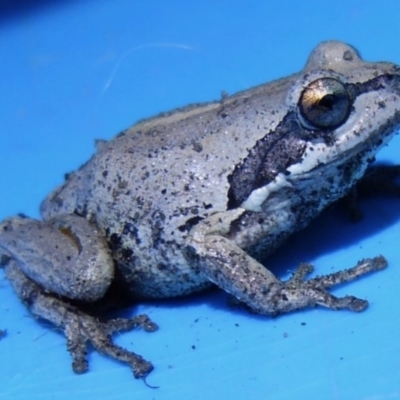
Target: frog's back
[
  {"x": 151, "y": 184},
  {"x": 176, "y": 164}
]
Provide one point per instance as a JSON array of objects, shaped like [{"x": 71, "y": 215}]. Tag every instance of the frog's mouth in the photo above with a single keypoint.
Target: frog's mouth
[{"x": 317, "y": 182}]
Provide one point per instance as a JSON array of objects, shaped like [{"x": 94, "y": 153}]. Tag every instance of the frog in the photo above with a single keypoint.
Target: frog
[{"x": 199, "y": 197}]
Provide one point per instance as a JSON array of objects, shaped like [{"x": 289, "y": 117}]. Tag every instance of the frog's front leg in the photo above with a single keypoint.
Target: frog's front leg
[
  {"x": 227, "y": 265},
  {"x": 49, "y": 262}
]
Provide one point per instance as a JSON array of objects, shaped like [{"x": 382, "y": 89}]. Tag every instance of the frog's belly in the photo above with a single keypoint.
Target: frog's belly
[{"x": 159, "y": 273}]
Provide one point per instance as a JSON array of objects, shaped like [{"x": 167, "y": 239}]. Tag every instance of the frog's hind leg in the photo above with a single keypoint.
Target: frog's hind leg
[
  {"x": 79, "y": 328},
  {"x": 57, "y": 263}
]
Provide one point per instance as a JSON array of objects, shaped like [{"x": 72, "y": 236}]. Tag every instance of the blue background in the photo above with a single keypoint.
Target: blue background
[{"x": 75, "y": 71}]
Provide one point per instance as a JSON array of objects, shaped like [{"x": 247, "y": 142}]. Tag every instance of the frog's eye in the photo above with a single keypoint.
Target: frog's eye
[{"x": 325, "y": 104}]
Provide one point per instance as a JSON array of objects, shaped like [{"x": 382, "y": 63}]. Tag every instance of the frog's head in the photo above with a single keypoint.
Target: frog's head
[{"x": 342, "y": 111}]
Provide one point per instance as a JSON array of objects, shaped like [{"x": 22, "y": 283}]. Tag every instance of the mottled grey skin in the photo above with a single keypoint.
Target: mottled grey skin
[{"x": 192, "y": 198}]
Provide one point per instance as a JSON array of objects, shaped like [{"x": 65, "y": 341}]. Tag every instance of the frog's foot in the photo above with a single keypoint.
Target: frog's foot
[
  {"x": 297, "y": 293},
  {"x": 80, "y": 328}
]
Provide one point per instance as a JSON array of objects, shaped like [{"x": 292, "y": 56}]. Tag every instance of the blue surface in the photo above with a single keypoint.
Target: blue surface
[{"x": 72, "y": 72}]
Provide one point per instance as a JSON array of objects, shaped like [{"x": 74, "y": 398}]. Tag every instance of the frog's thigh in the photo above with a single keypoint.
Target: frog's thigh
[{"x": 65, "y": 255}]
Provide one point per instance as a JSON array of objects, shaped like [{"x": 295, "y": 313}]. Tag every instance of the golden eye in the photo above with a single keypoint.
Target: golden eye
[{"x": 325, "y": 103}]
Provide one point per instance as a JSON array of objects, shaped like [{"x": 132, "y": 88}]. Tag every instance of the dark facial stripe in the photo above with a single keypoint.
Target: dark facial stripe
[{"x": 271, "y": 155}]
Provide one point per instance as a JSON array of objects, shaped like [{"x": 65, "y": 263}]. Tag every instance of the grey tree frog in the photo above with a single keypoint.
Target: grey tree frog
[{"x": 198, "y": 196}]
